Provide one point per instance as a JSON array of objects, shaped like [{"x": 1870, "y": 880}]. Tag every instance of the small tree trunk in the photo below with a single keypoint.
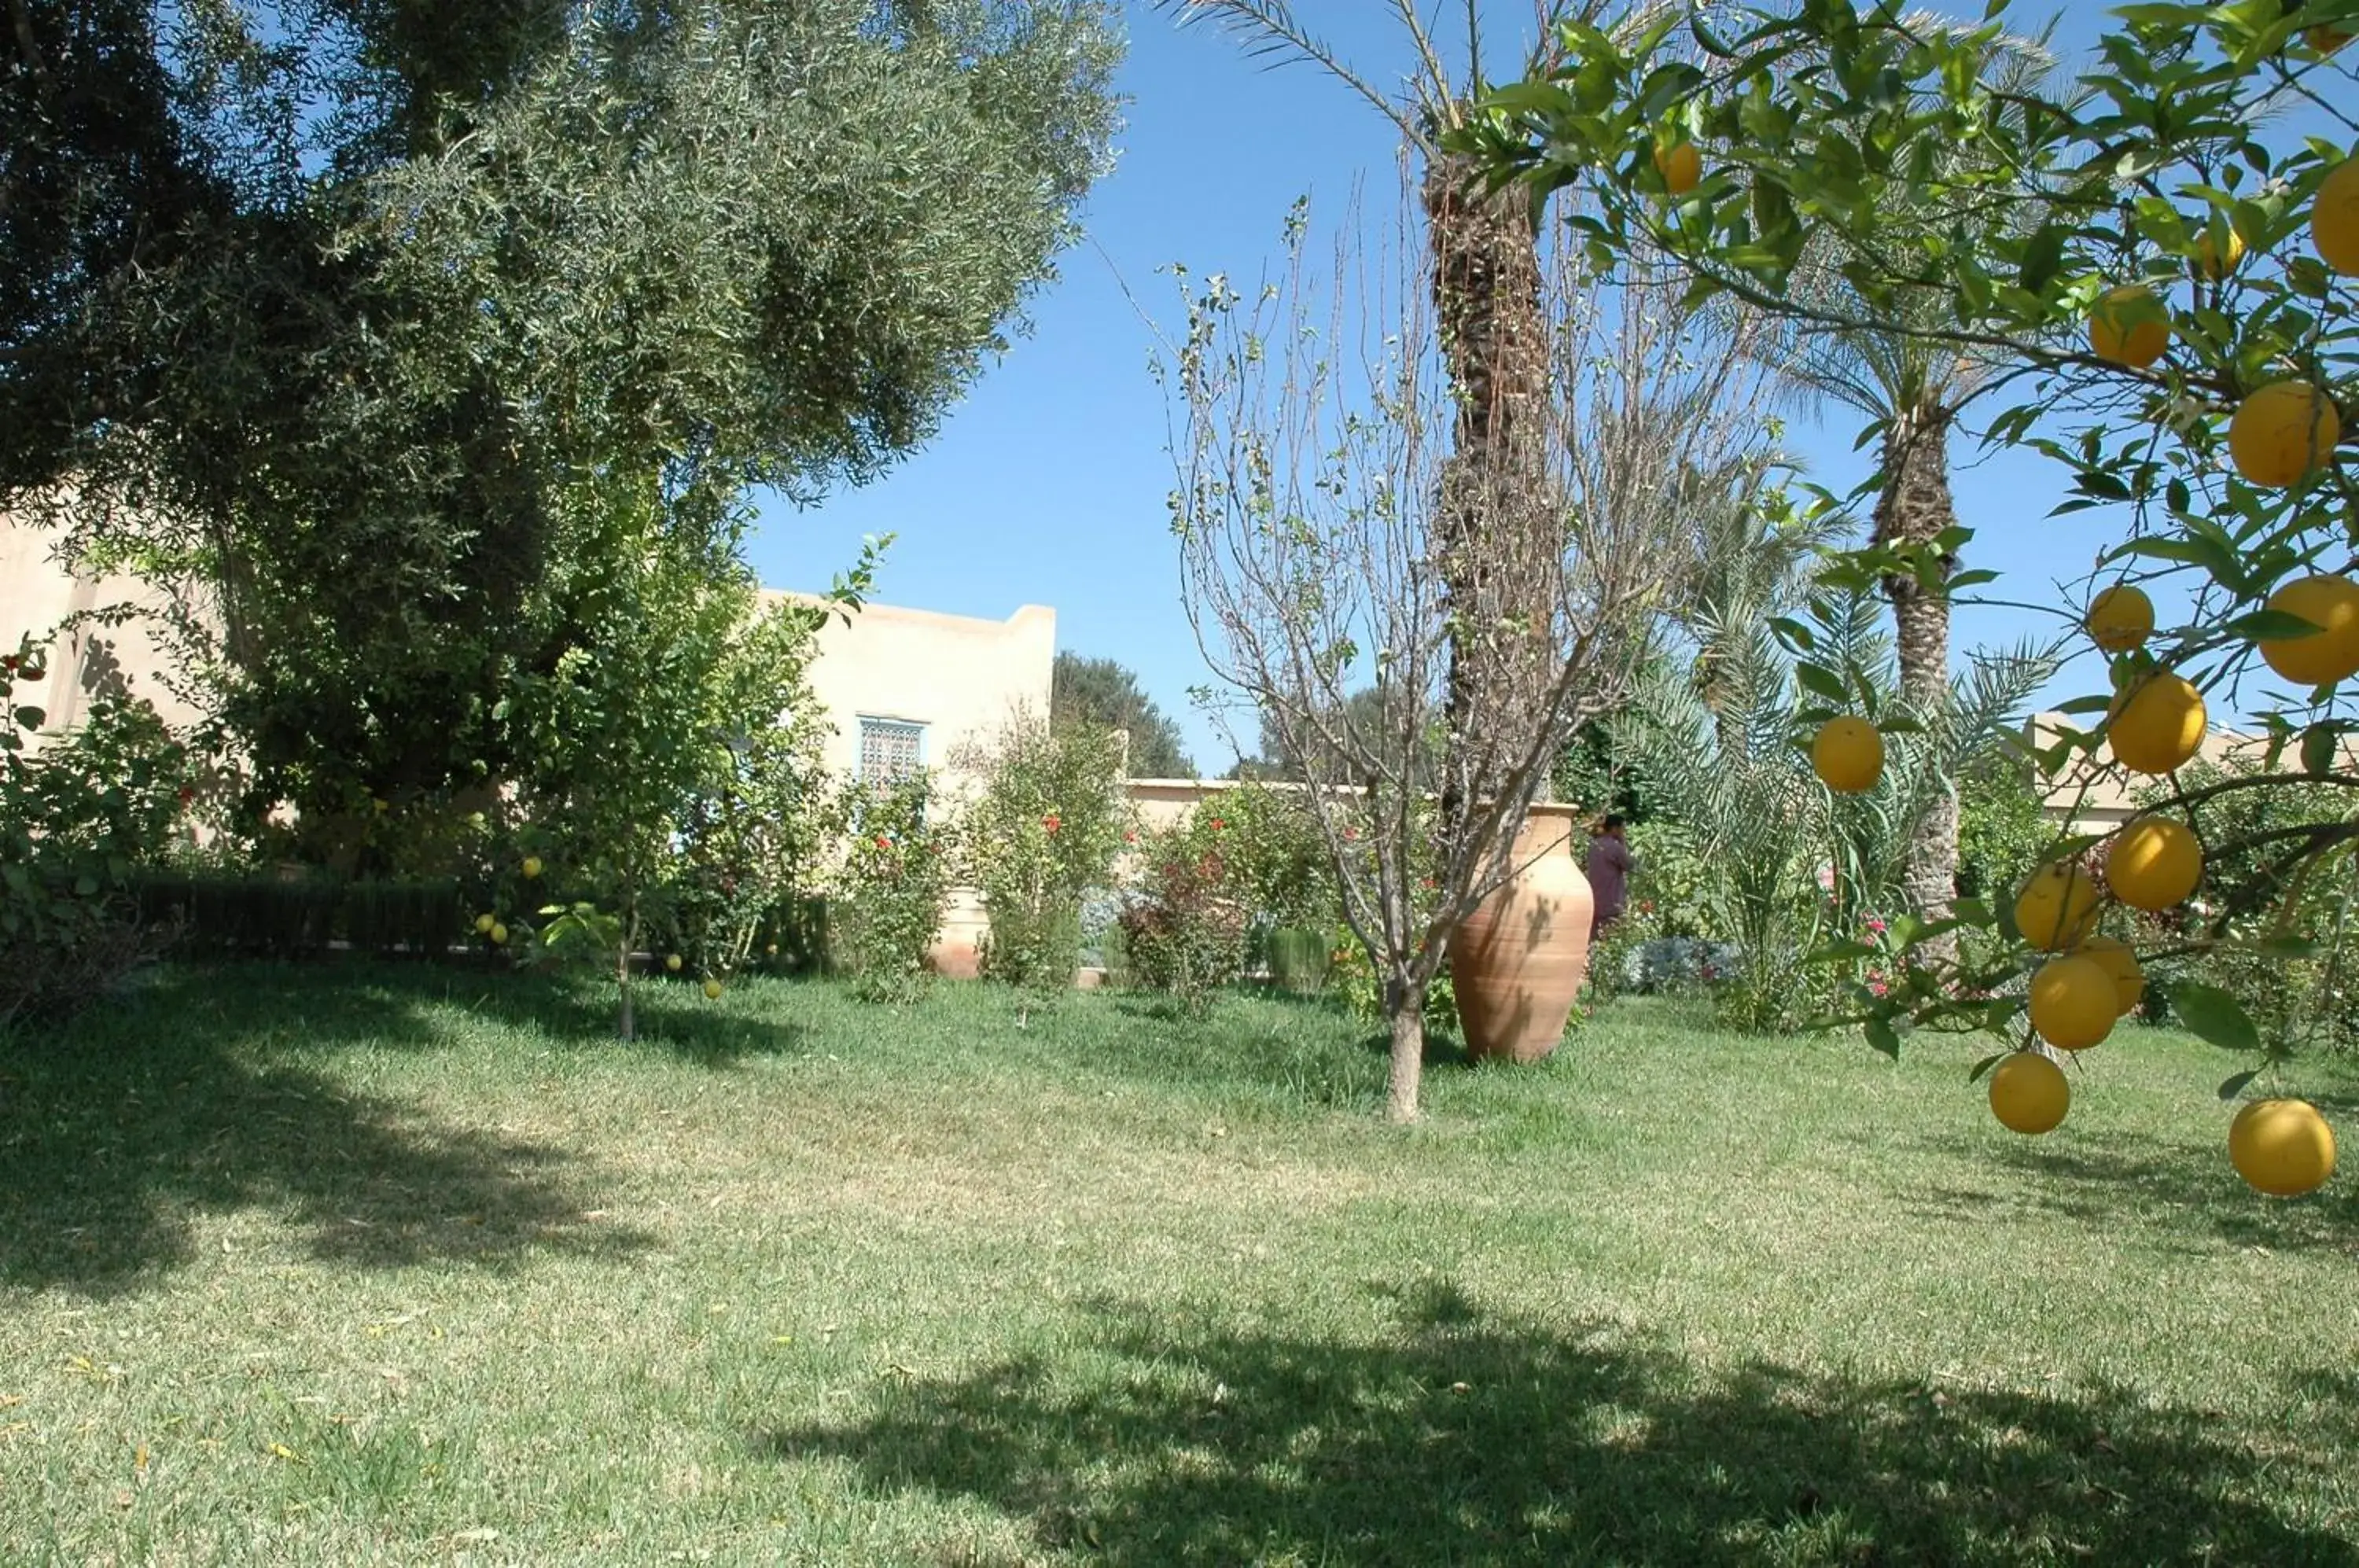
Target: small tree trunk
[
  {"x": 1405, "y": 1011},
  {"x": 623, "y": 966},
  {"x": 1914, "y": 508}
]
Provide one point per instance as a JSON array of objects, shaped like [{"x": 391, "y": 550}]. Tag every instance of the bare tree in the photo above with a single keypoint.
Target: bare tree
[
  {"x": 1489, "y": 316},
  {"x": 1326, "y": 548}
]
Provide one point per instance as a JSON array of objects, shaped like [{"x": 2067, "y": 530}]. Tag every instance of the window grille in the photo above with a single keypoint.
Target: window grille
[{"x": 890, "y": 749}]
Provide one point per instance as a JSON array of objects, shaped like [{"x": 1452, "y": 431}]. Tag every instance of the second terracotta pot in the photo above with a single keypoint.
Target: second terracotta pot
[{"x": 1516, "y": 963}]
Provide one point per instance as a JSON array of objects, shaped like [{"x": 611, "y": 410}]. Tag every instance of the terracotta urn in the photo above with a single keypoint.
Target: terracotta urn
[{"x": 1516, "y": 963}]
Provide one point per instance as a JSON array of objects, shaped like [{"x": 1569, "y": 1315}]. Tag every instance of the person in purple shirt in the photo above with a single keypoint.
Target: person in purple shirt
[{"x": 1608, "y": 869}]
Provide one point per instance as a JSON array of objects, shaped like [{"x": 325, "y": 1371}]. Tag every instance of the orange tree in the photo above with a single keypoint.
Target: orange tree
[{"x": 2160, "y": 280}]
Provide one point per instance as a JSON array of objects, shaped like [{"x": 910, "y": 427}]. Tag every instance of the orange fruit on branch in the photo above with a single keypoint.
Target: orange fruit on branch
[
  {"x": 2056, "y": 905},
  {"x": 2120, "y": 618},
  {"x": 2330, "y": 603},
  {"x": 2153, "y": 863},
  {"x": 2282, "y": 434},
  {"x": 2116, "y": 958},
  {"x": 2073, "y": 1002},
  {"x": 1681, "y": 167},
  {"x": 2028, "y": 1093},
  {"x": 2208, "y": 265},
  {"x": 2158, "y": 725},
  {"x": 2282, "y": 1147},
  {"x": 1847, "y": 754},
  {"x": 2334, "y": 216},
  {"x": 2127, "y": 327}
]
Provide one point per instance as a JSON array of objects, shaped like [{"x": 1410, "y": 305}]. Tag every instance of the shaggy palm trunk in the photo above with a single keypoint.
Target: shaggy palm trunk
[
  {"x": 1914, "y": 509},
  {"x": 1405, "y": 1011},
  {"x": 1496, "y": 488}
]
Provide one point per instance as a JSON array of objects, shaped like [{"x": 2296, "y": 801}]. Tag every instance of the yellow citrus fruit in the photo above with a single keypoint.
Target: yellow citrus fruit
[
  {"x": 2208, "y": 263},
  {"x": 2330, "y": 603},
  {"x": 2073, "y": 1002},
  {"x": 531, "y": 866},
  {"x": 2283, "y": 432},
  {"x": 1847, "y": 754},
  {"x": 2120, "y": 618},
  {"x": 2158, "y": 725},
  {"x": 2334, "y": 216},
  {"x": 2028, "y": 1093},
  {"x": 2057, "y": 907},
  {"x": 2283, "y": 1148},
  {"x": 2155, "y": 863},
  {"x": 2116, "y": 958},
  {"x": 672, "y": 963},
  {"x": 499, "y": 934},
  {"x": 484, "y": 924},
  {"x": 2127, "y": 327},
  {"x": 1681, "y": 167},
  {"x": 713, "y": 990}
]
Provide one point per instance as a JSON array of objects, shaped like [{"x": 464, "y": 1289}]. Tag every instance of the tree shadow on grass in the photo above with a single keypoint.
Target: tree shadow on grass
[
  {"x": 2183, "y": 1196},
  {"x": 669, "y": 1016},
  {"x": 1314, "y": 1055},
  {"x": 1471, "y": 1439},
  {"x": 194, "y": 1097}
]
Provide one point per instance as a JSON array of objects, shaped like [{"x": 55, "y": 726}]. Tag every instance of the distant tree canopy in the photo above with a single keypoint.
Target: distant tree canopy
[
  {"x": 1362, "y": 709},
  {"x": 1102, "y": 692},
  {"x": 329, "y": 308}
]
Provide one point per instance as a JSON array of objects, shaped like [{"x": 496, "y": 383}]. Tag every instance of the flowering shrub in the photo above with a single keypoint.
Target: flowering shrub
[
  {"x": 1044, "y": 830},
  {"x": 1184, "y": 933},
  {"x": 889, "y": 891}
]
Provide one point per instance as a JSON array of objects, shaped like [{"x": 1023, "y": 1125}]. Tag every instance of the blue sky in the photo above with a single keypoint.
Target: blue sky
[{"x": 1047, "y": 484}]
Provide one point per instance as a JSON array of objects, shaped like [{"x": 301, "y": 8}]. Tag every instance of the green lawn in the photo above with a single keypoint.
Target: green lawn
[{"x": 339, "y": 1266}]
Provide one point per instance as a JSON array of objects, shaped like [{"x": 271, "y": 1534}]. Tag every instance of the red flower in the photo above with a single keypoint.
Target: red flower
[
  {"x": 1218, "y": 824},
  {"x": 1130, "y": 838},
  {"x": 1051, "y": 822},
  {"x": 1876, "y": 987},
  {"x": 1646, "y": 906},
  {"x": 188, "y": 796},
  {"x": 883, "y": 842},
  {"x": 1350, "y": 835}
]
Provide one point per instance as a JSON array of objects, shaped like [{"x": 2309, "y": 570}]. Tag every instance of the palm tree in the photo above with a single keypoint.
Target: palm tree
[
  {"x": 1492, "y": 322},
  {"x": 1913, "y": 389}
]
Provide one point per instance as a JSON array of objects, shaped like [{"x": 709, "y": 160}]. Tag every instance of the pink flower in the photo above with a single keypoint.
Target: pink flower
[
  {"x": 1130, "y": 838},
  {"x": 1051, "y": 822},
  {"x": 1877, "y": 926},
  {"x": 1350, "y": 835},
  {"x": 1876, "y": 987}
]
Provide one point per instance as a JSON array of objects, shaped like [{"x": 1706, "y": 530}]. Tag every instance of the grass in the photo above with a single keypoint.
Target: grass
[{"x": 336, "y": 1266}]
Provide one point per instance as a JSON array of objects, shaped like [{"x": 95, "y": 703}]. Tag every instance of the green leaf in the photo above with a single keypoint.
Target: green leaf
[
  {"x": 1982, "y": 1067},
  {"x": 2318, "y": 747},
  {"x": 1881, "y": 1036},
  {"x": 2214, "y": 1015},
  {"x": 1823, "y": 682}
]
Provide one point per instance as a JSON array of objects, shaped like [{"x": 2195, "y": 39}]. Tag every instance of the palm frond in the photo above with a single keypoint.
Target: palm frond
[{"x": 1267, "y": 29}]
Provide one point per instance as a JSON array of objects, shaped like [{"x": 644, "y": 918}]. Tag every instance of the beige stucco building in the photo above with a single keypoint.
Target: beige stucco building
[
  {"x": 2098, "y": 800},
  {"x": 38, "y": 597},
  {"x": 907, "y": 689}
]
